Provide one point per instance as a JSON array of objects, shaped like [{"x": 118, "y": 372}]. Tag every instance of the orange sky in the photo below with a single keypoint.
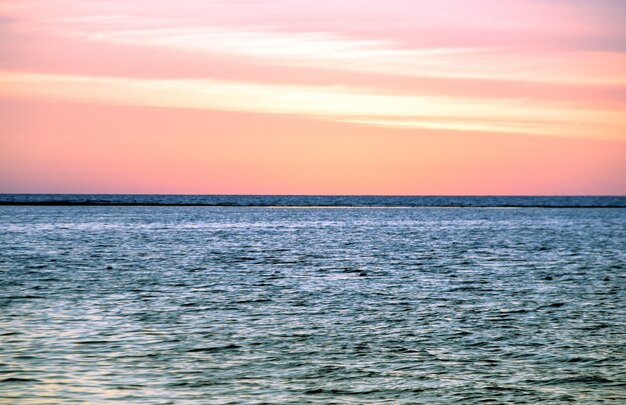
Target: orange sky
[{"x": 313, "y": 97}]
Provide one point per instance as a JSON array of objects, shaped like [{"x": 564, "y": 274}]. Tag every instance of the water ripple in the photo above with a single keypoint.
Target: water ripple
[{"x": 189, "y": 305}]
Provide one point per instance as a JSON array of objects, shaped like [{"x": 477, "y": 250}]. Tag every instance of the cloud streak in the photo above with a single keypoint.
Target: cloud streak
[{"x": 336, "y": 103}]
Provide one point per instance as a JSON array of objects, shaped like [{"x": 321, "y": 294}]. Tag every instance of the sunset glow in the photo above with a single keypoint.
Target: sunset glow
[{"x": 313, "y": 97}]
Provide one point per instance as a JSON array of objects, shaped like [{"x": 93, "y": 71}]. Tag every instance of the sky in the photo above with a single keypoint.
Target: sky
[{"x": 394, "y": 97}]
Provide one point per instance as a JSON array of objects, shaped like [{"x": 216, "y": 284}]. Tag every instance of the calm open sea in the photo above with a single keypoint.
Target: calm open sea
[{"x": 201, "y": 304}]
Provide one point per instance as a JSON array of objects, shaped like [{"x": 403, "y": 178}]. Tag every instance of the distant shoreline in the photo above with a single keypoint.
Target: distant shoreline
[
  {"x": 310, "y": 201},
  {"x": 145, "y": 204}
]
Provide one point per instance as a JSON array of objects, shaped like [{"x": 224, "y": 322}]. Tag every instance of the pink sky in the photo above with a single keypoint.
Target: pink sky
[{"x": 313, "y": 97}]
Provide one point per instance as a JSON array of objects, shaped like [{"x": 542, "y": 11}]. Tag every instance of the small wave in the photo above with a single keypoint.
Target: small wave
[
  {"x": 213, "y": 349},
  {"x": 25, "y": 297},
  {"x": 18, "y": 380},
  {"x": 196, "y": 383},
  {"x": 552, "y": 305},
  {"x": 598, "y": 326},
  {"x": 339, "y": 391},
  {"x": 92, "y": 342},
  {"x": 581, "y": 379},
  {"x": 257, "y": 301},
  {"x": 580, "y": 360}
]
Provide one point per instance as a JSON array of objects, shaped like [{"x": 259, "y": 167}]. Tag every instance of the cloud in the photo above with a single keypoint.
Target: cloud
[
  {"x": 493, "y": 67},
  {"x": 326, "y": 50},
  {"x": 333, "y": 103}
]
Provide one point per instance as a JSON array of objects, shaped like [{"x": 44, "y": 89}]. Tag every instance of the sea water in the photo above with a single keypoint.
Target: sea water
[{"x": 199, "y": 305}]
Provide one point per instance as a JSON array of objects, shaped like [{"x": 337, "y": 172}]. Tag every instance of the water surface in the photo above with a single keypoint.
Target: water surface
[{"x": 195, "y": 305}]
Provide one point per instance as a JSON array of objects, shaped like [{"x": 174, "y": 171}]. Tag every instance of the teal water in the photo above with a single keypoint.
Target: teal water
[{"x": 196, "y": 305}]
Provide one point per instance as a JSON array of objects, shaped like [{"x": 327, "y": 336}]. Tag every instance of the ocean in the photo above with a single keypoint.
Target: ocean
[{"x": 312, "y": 299}]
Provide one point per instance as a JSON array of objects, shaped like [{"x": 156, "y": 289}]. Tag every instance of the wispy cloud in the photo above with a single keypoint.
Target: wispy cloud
[
  {"x": 334, "y": 103},
  {"x": 326, "y": 50}
]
